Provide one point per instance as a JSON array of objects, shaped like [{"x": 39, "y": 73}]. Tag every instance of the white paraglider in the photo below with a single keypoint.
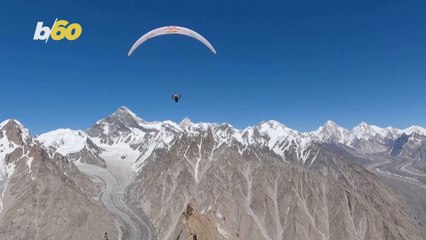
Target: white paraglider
[{"x": 170, "y": 30}]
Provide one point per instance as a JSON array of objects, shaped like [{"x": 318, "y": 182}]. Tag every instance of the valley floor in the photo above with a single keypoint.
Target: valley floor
[
  {"x": 113, "y": 197},
  {"x": 407, "y": 182}
]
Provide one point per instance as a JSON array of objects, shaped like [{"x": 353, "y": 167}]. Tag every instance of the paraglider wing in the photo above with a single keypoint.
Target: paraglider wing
[{"x": 170, "y": 30}]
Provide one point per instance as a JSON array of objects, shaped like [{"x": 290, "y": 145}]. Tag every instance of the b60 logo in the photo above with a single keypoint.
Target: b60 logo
[{"x": 60, "y": 30}]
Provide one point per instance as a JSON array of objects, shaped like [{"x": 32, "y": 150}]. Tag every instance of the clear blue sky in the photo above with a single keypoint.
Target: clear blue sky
[{"x": 298, "y": 62}]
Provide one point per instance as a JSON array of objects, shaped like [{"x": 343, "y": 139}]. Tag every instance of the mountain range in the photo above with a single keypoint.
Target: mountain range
[{"x": 133, "y": 179}]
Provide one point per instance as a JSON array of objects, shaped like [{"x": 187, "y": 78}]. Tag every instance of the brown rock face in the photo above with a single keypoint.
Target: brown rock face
[
  {"x": 14, "y": 132},
  {"x": 193, "y": 225},
  {"x": 254, "y": 195}
]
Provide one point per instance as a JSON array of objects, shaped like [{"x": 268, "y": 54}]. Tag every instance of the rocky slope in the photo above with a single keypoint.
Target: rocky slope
[
  {"x": 253, "y": 194},
  {"x": 45, "y": 197}
]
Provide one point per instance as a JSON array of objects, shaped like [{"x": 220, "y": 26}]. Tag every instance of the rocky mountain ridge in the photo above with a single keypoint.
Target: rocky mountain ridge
[{"x": 129, "y": 130}]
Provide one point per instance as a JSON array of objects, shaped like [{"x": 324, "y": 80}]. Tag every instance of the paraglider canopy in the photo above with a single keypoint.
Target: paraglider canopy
[{"x": 170, "y": 30}]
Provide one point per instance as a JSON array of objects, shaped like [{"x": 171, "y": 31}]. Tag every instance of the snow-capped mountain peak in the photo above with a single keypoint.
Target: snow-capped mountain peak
[
  {"x": 118, "y": 124},
  {"x": 331, "y": 132},
  {"x": 122, "y": 116},
  {"x": 331, "y": 124},
  {"x": 185, "y": 122},
  {"x": 415, "y": 129},
  {"x": 13, "y": 136},
  {"x": 273, "y": 131},
  {"x": 124, "y": 112},
  {"x": 273, "y": 125},
  {"x": 364, "y": 131},
  {"x": 64, "y": 141},
  {"x": 14, "y": 131}
]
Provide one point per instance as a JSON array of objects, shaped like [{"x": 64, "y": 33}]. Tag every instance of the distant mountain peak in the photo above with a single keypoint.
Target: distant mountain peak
[
  {"x": 275, "y": 127},
  {"x": 15, "y": 131},
  {"x": 363, "y": 124},
  {"x": 121, "y": 121},
  {"x": 331, "y": 126},
  {"x": 73, "y": 140},
  {"x": 12, "y": 122},
  {"x": 331, "y": 132},
  {"x": 415, "y": 129},
  {"x": 331, "y": 123},
  {"x": 123, "y": 111},
  {"x": 274, "y": 124},
  {"x": 185, "y": 122},
  {"x": 123, "y": 116}
]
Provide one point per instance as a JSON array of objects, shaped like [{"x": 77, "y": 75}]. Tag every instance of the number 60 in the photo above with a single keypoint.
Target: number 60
[{"x": 60, "y": 31}]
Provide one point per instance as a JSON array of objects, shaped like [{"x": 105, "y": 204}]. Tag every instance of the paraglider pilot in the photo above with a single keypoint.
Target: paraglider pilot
[{"x": 176, "y": 97}]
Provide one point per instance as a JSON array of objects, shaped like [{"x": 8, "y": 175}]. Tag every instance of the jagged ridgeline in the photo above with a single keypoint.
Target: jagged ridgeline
[{"x": 126, "y": 178}]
